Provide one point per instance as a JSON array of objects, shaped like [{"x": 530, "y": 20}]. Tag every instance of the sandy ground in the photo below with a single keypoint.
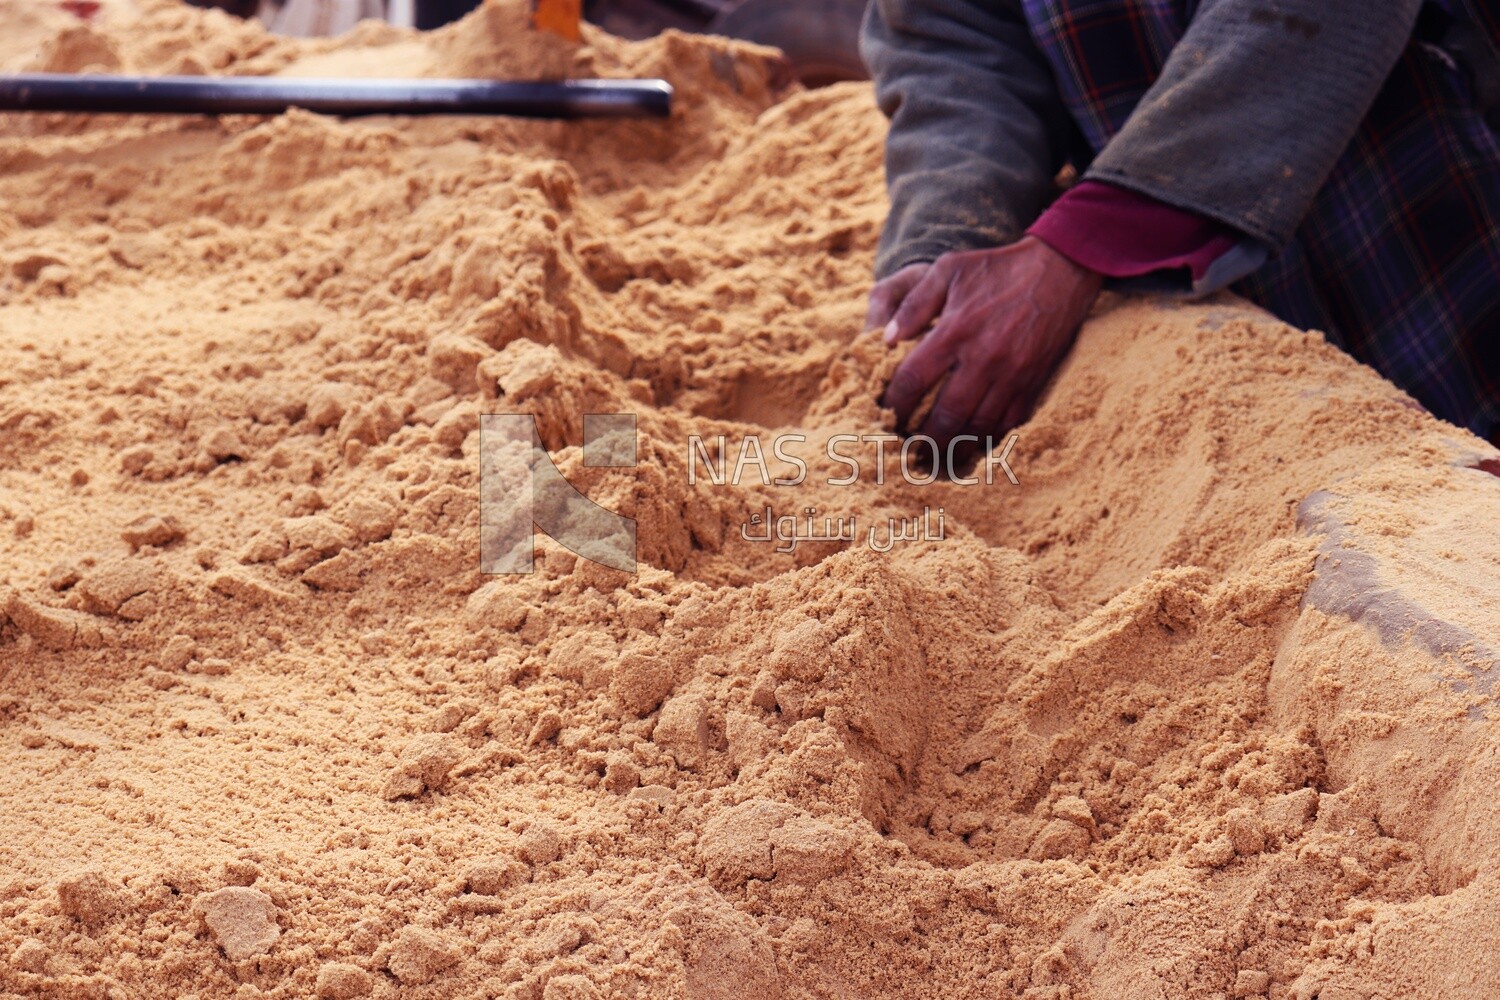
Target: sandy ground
[{"x": 1200, "y": 708}]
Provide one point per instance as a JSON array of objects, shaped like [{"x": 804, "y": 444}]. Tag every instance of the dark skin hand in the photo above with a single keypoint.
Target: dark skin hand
[{"x": 1002, "y": 321}]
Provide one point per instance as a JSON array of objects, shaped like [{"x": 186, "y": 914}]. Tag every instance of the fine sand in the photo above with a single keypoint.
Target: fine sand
[{"x": 1201, "y": 707}]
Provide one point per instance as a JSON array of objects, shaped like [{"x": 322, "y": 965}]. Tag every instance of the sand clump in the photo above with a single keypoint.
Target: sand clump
[{"x": 1200, "y": 708}]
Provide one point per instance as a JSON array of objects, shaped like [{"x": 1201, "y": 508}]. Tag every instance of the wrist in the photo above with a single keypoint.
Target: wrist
[{"x": 1084, "y": 280}]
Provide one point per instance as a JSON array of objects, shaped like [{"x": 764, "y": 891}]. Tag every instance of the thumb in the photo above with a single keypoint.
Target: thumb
[
  {"x": 887, "y": 295},
  {"x": 919, "y": 307}
]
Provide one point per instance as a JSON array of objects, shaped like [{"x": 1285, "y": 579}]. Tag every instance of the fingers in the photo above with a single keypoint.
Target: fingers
[
  {"x": 956, "y": 404},
  {"x": 979, "y": 428},
  {"x": 921, "y": 305},
  {"x": 923, "y": 368},
  {"x": 1015, "y": 414},
  {"x": 887, "y": 295},
  {"x": 991, "y": 409}
]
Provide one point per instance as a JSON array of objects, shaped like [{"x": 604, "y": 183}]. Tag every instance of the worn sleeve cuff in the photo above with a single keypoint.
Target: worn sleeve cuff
[{"x": 1145, "y": 243}]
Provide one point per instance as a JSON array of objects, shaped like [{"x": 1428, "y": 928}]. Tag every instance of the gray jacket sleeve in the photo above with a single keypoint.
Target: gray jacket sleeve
[
  {"x": 977, "y": 134},
  {"x": 1252, "y": 110},
  {"x": 1254, "y": 107}
]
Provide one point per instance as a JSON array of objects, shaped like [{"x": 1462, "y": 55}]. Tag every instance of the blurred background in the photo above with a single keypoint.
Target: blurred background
[{"x": 820, "y": 37}]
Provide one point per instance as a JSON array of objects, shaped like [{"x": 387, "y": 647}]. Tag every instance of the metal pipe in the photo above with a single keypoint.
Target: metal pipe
[{"x": 267, "y": 95}]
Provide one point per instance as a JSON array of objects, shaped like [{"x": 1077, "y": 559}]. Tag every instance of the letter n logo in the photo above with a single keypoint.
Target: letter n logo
[{"x": 520, "y": 489}]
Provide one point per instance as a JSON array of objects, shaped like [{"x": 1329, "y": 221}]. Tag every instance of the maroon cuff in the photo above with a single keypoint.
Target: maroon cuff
[{"x": 1123, "y": 234}]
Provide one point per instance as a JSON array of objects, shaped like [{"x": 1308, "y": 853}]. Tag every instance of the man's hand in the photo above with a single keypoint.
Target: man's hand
[
  {"x": 887, "y": 295},
  {"x": 1002, "y": 321}
]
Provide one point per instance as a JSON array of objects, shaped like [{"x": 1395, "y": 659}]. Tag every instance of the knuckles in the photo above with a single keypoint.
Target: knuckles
[{"x": 904, "y": 384}]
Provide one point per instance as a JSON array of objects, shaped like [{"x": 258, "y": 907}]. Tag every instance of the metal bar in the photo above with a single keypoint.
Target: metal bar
[
  {"x": 265, "y": 95},
  {"x": 705, "y": 9}
]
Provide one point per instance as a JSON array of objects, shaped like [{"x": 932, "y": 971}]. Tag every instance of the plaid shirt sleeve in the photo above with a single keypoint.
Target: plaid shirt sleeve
[
  {"x": 1221, "y": 135},
  {"x": 1360, "y": 146}
]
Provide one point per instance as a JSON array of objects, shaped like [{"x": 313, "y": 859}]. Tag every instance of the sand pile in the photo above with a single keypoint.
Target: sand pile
[{"x": 1125, "y": 731}]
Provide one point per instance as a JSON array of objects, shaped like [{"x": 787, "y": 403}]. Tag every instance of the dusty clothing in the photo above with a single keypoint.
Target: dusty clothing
[{"x": 1353, "y": 149}]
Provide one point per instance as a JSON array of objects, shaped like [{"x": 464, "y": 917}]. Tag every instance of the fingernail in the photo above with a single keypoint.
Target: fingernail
[{"x": 890, "y": 332}]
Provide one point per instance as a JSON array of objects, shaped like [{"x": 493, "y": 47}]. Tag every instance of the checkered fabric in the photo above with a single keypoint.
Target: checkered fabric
[{"x": 1398, "y": 260}]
